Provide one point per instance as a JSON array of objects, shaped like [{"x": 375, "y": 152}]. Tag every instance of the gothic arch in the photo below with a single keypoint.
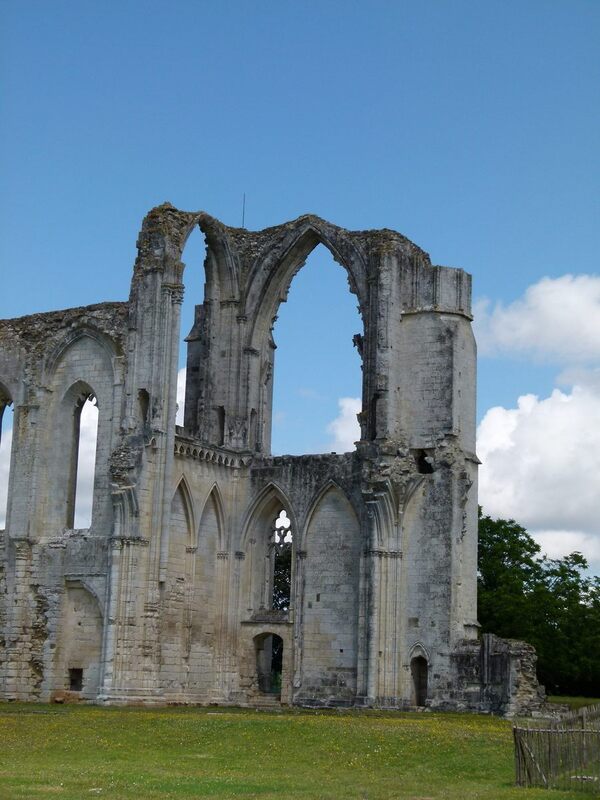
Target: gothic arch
[
  {"x": 275, "y": 267},
  {"x": 270, "y": 498},
  {"x": 188, "y": 506},
  {"x": 216, "y": 497},
  {"x": 330, "y": 486},
  {"x": 417, "y": 650},
  {"x": 165, "y": 231},
  {"x": 56, "y": 355}
]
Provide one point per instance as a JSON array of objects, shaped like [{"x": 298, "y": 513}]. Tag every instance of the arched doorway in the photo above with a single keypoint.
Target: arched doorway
[
  {"x": 418, "y": 671},
  {"x": 269, "y": 663}
]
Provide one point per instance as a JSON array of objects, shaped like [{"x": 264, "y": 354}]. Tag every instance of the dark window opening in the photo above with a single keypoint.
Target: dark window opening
[
  {"x": 76, "y": 679},
  {"x": 220, "y": 425},
  {"x": 418, "y": 671},
  {"x": 269, "y": 663},
  {"x": 424, "y": 465},
  {"x": 281, "y": 547},
  {"x": 144, "y": 401}
]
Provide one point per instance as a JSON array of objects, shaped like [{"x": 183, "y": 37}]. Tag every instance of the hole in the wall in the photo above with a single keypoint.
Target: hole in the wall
[
  {"x": 317, "y": 362},
  {"x": 144, "y": 405},
  {"x": 220, "y": 425},
  {"x": 86, "y": 440},
  {"x": 6, "y": 432},
  {"x": 423, "y": 461},
  {"x": 75, "y": 679},
  {"x": 194, "y": 278}
]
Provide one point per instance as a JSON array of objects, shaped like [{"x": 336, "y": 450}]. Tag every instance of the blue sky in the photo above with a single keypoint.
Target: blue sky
[{"x": 470, "y": 127}]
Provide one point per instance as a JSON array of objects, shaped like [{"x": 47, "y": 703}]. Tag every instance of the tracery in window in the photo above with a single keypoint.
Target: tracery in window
[{"x": 281, "y": 555}]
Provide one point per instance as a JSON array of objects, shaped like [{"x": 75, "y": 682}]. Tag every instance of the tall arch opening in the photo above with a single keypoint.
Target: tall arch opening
[
  {"x": 317, "y": 386},
  {"x": 85, "y": 441},
  {"x": 192, "y": 316},
  {"x": 6, "y": 431},
  {"x": 268, "y": 578},
  {"x": 281, "y": 563}
]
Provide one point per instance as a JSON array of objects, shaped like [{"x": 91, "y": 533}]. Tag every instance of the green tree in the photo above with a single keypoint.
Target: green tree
[{"x": 550, "y": 603}]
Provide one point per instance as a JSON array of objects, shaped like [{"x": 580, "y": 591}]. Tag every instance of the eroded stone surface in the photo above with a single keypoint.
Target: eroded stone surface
[{"x": 169, "y": 595}]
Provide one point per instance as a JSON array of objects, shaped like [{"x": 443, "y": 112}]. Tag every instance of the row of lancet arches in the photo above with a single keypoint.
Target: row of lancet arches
[
  {"x": 76, "y": 454},
  {"x": 67, "y": 435}
]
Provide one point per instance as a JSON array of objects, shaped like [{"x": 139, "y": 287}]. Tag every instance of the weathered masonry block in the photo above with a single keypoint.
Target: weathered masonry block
[{"x": 213, "y": 572}]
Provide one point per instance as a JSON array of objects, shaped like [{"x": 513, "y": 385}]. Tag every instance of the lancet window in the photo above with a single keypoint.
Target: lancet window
[{"x": 280, "y": 545}]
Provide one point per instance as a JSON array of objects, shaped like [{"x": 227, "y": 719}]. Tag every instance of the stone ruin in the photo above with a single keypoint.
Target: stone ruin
[{"x": 212, "y": 571}]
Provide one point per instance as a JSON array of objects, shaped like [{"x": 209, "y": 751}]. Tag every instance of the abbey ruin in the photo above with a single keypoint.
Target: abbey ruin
[{"x": 213, "y": 572}]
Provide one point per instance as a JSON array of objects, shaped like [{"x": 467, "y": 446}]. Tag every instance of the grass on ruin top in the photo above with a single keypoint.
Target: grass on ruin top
[{"x": 75, "y": 752}]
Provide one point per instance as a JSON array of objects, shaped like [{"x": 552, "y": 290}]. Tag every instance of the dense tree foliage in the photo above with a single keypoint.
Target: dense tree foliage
[{"x": 550, "y": 603}]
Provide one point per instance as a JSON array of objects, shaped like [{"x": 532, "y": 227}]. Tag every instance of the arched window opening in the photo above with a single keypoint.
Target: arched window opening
[
  {"x": 281, "y": 559},
  {"x": 317, "y": 387},
  {"x": 269, "y": 663},
  {"x": 418, "y": 671},
  {"x": 6, "y": 430},
  {"x": 85, "y": 439},
  {"x": 192, "y": 316}
]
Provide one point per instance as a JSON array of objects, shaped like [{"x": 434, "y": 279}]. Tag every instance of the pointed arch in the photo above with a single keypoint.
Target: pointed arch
[
  {"x": 277, "y": 264},
  {"x": 417, "y": 650},
  {"x": 331, "y": 596},
  {"x": 188, "y": 505},
  {"x": 80, "y": 366},
  {"x": 262, "y": 585},
  {"x": 313, "y": 507},
  {"x": 419, "y": 674},
  {"x": 214, "y": 496},
  {"x": 109, "y": 348},
  {"x": 270, "y": 497}
]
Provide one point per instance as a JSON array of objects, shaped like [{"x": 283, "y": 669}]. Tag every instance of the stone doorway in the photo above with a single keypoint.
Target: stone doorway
[
  {"x": 269, "y": 663},
  {"x": 418, "y": 671}
]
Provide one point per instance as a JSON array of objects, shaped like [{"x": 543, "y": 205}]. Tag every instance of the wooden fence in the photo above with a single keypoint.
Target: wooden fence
[{"x": 560, "y": 754}]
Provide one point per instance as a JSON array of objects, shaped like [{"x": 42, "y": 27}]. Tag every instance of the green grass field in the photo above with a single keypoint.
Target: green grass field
[
  {"x": 80, "y": 752},
  {"x": 574, "y": 703}
]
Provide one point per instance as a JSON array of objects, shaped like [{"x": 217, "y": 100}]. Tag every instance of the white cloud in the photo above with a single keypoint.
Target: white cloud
[
  {"x": 556, "y": 320},
  {"x": 345, "y": 428},
  {"x": 541, "y": 467},
  {"x": 559, "y": 543},
  {"x": 180, "y": 396},
  {"x": 5, "y": 446}
]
